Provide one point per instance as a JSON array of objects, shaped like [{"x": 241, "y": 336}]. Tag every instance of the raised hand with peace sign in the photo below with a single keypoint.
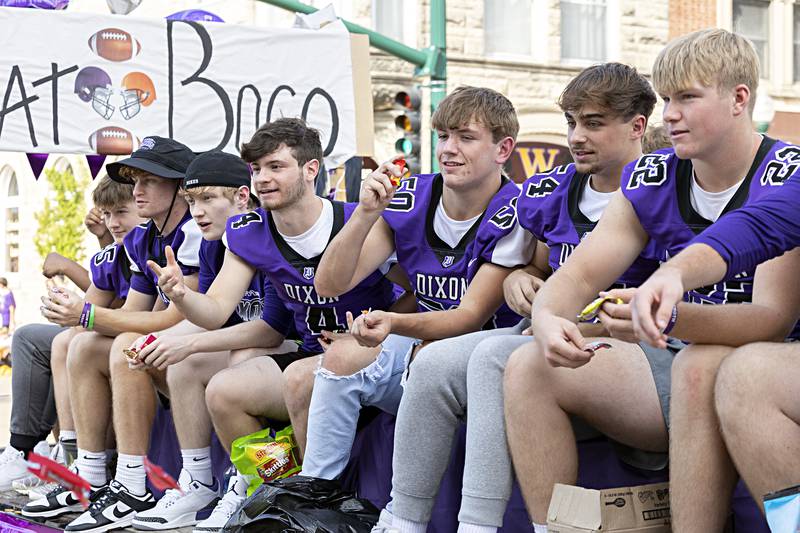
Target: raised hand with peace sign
[{"x": 170, "y": 277}]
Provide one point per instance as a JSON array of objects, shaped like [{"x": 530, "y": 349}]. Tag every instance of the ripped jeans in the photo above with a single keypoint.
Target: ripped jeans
[{"x": 337, "y": 401}]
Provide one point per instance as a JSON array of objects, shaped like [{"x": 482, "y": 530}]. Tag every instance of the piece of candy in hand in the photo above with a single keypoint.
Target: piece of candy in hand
[
  {"x": 131, "y": 353},
  {"x": 591, "y": 311},
  {"x": 400, "y": 162},
  {"x": 597, "y": 345}
]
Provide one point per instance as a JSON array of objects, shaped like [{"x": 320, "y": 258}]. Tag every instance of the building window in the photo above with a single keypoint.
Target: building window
[
  {"x": 508, "y": 27},
  {"x": 11, "y": 216},
  {"x": 751, "y": 19},
  {"x": 796, "y": 39},
  {"x": 583, "y": 30},
  {"x": 387, "y": 16}
]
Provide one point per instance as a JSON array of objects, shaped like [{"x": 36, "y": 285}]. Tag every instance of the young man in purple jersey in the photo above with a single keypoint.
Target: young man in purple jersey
[
  {"x": 284, "y": 241},
  {"x": 757, "y": 387},
  {"x": 155, "y": 170},
  {"x": 217, "y": 187},
  {"x": 707, "y": 80},
  {"x": 442, "y": 231},
  {"x": 606, "y": 108},
  {"x": 106, "y": 282}
]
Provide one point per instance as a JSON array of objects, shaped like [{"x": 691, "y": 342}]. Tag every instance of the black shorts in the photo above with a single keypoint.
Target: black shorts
[{"x": 286, "y": 359}]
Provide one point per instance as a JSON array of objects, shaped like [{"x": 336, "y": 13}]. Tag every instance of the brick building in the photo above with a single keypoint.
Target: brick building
[{"x": 527, "y": 49}]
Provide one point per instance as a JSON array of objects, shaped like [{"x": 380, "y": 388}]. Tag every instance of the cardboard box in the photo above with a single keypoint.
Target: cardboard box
[{"x": 642, "y": 509}]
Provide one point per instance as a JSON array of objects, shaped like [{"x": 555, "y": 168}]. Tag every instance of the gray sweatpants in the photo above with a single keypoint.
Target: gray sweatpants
[
  {"x": 444, "y": 378},
  {"x": 33, "y": 406}
]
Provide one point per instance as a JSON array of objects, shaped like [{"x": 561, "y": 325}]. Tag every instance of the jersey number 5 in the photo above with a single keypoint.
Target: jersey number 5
[{"x": 650, "y": 170}]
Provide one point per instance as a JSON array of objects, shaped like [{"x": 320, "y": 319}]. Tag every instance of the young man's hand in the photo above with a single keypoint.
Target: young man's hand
[
  {"x": 170, "y": 277},
  {"x": 377, "y": 188},
  {"x": 61, "y": 306},
  {"x": 519, "y": 289},
  {"x": 370, "y": 329},
  {"x": 560, "y": 341},
  {"x": 94, "y": 223},
  {"x": 652, "y": 305},
  {"x": 616, "y": 318},
  {"x": 54, "y": 265},
  {"x": 165, "y": 351}
]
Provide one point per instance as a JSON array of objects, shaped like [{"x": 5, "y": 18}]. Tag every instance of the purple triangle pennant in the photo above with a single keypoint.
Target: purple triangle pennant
[
  {"x": 95, "y": 162},
  {"x": 37, "y": 162}
]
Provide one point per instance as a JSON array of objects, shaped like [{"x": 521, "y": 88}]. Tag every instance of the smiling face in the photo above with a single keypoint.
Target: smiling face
[
  {"x": 468, "y": 154},
  {"x": 280, "y": 181},
  {"x": 598, "y": 140},
  {"x": 212, "y": 206},
  {"x": 121, "y": 219}
]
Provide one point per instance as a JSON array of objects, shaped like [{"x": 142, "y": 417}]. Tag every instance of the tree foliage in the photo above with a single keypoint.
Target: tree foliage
[{"x": 60, "y": 219}]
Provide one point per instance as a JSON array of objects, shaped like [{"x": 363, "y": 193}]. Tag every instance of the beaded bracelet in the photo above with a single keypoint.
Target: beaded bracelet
[{"x": 672, "y": 319}]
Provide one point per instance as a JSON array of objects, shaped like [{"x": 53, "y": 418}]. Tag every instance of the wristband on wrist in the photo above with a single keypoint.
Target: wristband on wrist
[
  {"x": 84, "y": 319},
  {"x": 672, "y": 319},
  {"x": 90, "y": 323}
]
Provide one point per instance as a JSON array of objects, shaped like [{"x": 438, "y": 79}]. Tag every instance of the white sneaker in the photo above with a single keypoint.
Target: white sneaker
[
  {"x": 229, "y": 504},
  {"x": 384, "y": 524},
  {"x": 176, "y": 509},
  {"x": 13, "y": 465},
  {"x": 34, "y": 487}
]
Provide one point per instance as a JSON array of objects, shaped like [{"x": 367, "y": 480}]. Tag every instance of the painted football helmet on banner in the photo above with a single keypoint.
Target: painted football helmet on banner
[
  {"x": 93, "y": 84},
  {"x": 137, "y": 91}
]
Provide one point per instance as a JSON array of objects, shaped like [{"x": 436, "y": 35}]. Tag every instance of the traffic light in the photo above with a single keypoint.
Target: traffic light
[{"x": 408, "y": 122}]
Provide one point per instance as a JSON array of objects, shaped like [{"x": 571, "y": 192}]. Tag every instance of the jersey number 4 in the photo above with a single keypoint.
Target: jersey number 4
[
  {"x": 247, "y": 218},
  {"x": 323, "y": 318}
]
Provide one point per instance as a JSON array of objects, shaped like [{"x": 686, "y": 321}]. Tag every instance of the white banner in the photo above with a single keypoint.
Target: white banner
[{"x": 80, "y": 83}]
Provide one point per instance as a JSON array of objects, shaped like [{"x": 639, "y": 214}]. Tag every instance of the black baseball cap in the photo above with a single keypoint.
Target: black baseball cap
[
  {"x": 160, "y": 156},
  {"x": 216, "y": 168}
]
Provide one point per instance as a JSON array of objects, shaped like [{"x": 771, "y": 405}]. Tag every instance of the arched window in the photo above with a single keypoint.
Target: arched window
[{"x": 10, "y": 219}]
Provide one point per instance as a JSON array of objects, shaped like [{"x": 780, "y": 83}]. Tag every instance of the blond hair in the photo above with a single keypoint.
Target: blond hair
[
  {"x": 477, "y": 104},
  {"x": 709, "y": 57},
  {"x": 226, "y": 192}
]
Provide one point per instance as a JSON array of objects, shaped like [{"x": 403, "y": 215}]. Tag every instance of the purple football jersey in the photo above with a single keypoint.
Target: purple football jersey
[
  {"x": 254, "y": 300},
  {"x": 144, "y": 243},
  {"x": 254, "y": 238},
  {"x": 110, "y": 270},
  {"x": 658, "y": 186},
  {"x": 548, "y": 208},
  {"x": 764, "y": 229},
  {"x": 440, "y": 274}
]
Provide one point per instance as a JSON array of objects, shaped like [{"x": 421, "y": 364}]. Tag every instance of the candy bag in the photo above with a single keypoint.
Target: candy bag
[{"x": 264, "y": 457}]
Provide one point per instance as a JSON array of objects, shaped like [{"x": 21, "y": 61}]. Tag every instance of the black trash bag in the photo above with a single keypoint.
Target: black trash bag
[{"x": 302, "y": 504}]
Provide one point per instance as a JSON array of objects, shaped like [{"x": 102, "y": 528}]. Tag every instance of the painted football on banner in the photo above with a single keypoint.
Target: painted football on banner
[
  {"x": 112, "y": 140},
  {"x": 114, "y": 44}
]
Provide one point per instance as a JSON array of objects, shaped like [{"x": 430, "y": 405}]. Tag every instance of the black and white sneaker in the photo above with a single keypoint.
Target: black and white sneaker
[
  {"x": 113, "y": 509},
  {"x": 57, "y": 502}
]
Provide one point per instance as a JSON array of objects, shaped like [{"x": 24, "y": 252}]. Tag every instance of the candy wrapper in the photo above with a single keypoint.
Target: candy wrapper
[
  {"x": 264, "y": 457},
  {"x": 591, "y": 311},
  {"x": 159, "y": 478},
  {"x": 134, "y": 354},
  {"x": 50, "y": 471},
  {"x": 783, "y": 510}
]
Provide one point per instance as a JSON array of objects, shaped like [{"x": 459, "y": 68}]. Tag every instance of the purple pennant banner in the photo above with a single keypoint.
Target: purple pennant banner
[
  {"x": 95, "y": 162},
  {"x": 37, "y": 162}
]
